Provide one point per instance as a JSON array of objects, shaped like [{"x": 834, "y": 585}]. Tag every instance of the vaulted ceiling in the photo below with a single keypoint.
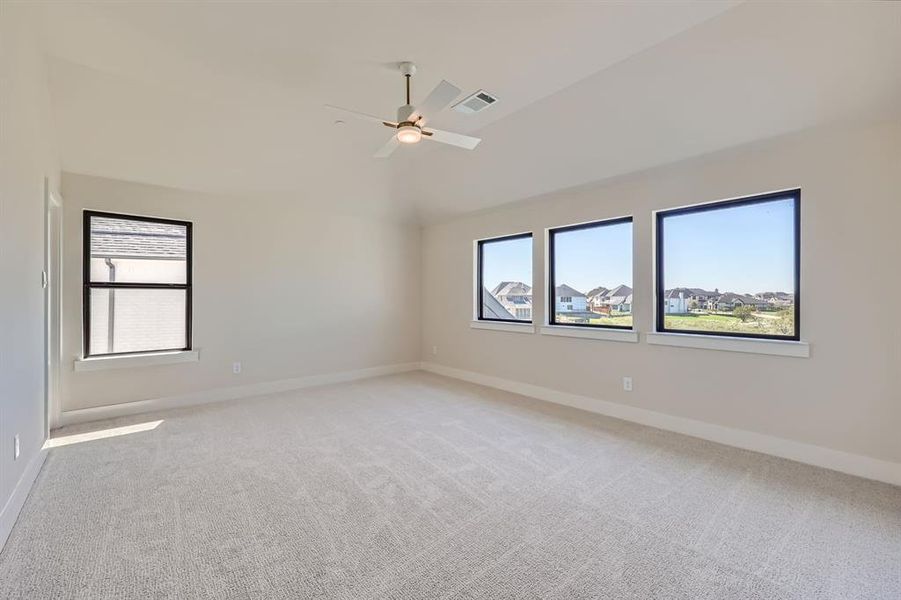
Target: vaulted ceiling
[{"x": 228, "y": 97}]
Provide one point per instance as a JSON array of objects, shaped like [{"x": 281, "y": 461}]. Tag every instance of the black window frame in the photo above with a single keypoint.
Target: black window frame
[
  {"x": 88, "y": 285},
  {"x": 551, "y": 268},
  {"x": 480, "y": 244},
  {"x": 660, "y": 217}
]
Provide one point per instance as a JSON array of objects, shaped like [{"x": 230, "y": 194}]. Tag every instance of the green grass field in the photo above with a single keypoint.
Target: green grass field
[
  {"x": 775, "y": 323},
  {"x": 768, "y": 323},
  {"x": 622, "y": 320}
]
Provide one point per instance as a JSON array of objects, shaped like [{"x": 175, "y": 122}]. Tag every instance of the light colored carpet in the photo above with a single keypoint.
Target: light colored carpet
[{"x": 416, "y": 486}]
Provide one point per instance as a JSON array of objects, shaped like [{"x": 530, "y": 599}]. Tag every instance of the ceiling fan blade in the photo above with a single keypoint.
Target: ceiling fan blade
[
  {"x": 363, "y": 116},
  {"x": 454, "y": 139},
  {"x": 389, "y": 147},
  {"x": 443, "y": 94}
]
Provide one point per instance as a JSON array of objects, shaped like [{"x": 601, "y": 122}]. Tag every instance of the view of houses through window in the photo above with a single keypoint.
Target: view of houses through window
[
  {"x": 591, "y": 274},
  {"x": 726, "y": 268},
  {"x": 730, "y": 268},
  {"x": 137, "y": 284},
  {"x": 505, "y": 273}
]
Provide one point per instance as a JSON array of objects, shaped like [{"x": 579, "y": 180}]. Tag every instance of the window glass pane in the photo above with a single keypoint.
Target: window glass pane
[
  {"x": 130, "y": 251},
  {"x": 593, "y": 275},
  {"x": 731, "y": 269},
  {"x": 136, "y": 320},
  {"x": 507, "y": 279}
]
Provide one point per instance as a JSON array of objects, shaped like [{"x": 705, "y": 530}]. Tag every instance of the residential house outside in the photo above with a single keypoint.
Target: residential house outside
[
  {"x": 777, "y": 300},
  {"x": 132, "y": 320},
  {"x": 677, "y": 301},
  {"x": 604, "y": 301},
  {"x": 516, "y": 298},
  {"x": 698, "y": 297},
  {"x": 493, "y": 309},
  {"x": 729, "y": 301},
  {"x": 596, "y": 297},
  {"x": 619, "y": 299},
  {"x": 683, "y": 300},
  {"x": 569, "y": 300}
]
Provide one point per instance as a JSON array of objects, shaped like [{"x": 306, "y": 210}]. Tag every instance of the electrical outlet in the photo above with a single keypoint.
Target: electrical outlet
[
  {"x": 16, "y": 448},
  {"x": 627, "y": 384},
  {"x": 236, "y": 368},
  {"x": 434, "y": 350}
]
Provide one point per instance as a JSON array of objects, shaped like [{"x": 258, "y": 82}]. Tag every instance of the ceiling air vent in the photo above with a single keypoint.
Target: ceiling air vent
[{"x": 474, "y": 103}]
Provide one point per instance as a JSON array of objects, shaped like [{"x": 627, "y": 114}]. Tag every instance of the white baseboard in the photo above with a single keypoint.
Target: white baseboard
[
  {"x": 10, "y": 512},
  {"x": 99, "y": 413},
  {"x": 853, "y": 464}
]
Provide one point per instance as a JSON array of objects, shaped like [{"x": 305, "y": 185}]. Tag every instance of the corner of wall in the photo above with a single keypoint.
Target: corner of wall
[{"x": 29, "y": 157}]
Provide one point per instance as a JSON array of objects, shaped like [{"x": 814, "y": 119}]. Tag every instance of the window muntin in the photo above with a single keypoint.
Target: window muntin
[
  {"x": 590, "y": 274},
  {"x": 731, "y": 268},
  {"x": 137, "y": 284},
  {"x": 505, "y": 278}
]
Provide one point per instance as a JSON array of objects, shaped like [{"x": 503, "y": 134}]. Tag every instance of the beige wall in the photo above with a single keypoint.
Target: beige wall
[
  {"x": 27, "y": 156},
  {"x": 287, "y": 289},
  {"x": 846, "y": 396}
]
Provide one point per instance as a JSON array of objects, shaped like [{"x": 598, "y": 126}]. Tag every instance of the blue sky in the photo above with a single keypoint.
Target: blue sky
[
  {"x": 509, "y": 260},
  {"x": 744, "y": 249},
  {"x": 587, "y": 258}
]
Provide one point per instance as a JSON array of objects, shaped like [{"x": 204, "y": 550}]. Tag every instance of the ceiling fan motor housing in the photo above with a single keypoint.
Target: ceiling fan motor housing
[{"x": 404, "y": 113}]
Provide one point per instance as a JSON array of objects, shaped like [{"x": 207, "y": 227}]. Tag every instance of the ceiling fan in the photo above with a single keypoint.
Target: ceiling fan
[{"x": 411, "y": 120}]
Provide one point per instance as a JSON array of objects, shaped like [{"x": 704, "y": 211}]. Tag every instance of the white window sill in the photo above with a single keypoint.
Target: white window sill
[
  {"x": 503, "y": 326},
  {"x": 590, "y": 333},
  {"x": 729, "y": 344},
  {"x": 99, "y": 363}
]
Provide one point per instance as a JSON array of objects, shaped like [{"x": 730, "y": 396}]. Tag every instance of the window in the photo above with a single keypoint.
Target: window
[
  {"x": 137, "y": 284},
  {"x": 505, "y": 278},
  {"x": 731, "y": 268},
  {"x": 590, "y": 276}
]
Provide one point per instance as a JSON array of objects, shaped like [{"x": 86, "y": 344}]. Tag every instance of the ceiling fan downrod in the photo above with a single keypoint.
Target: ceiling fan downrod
[{"x": 408, "y": 69}]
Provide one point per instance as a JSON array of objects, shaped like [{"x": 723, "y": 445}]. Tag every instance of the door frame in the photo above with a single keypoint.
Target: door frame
[{"x": 52, "y": 277}]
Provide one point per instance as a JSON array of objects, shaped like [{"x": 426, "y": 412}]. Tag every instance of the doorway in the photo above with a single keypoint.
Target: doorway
[{"x": 52, "y": 279}]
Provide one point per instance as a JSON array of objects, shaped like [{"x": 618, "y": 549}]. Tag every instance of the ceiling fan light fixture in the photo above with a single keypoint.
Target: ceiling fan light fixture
[{"x": 408, "y": 134}]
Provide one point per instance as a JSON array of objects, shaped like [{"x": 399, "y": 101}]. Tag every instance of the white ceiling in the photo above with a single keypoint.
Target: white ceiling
[{"x": 227, "y": 97}]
